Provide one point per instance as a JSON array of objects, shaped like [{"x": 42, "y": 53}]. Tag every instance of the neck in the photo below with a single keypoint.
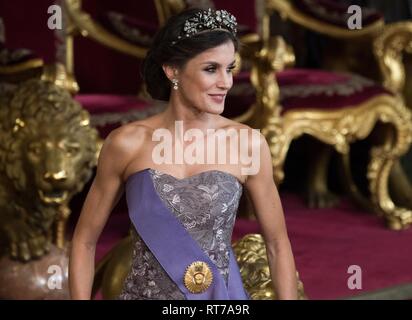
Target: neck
[{"x": 190, "y": 116}]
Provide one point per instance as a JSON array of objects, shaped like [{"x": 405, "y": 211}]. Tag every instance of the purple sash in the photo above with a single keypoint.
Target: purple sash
[{"x": 172, "y": 245}]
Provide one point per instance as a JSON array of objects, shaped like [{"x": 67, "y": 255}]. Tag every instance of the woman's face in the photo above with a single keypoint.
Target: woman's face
[{"x": 205, "y": 80}]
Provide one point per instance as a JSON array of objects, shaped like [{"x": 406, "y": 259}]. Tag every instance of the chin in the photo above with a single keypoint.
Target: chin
[{"x": 215, "y": 109}]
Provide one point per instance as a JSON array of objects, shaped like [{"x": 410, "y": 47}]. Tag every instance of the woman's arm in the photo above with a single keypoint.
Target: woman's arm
[
  {"x": 269, "y": 212},
  {"x": 103, "y": 195}
]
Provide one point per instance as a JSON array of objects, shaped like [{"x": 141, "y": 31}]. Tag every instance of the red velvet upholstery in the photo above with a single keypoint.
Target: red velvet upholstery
[
  {"x": 334, "y": 13},
  {"x": 305, "y": 88}
]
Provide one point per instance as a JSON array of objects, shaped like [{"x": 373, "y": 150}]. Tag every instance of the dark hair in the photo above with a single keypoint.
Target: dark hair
[{"x": 178, "y": 54}]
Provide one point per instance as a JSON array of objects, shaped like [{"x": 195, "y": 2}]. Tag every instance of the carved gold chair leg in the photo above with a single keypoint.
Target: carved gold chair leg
[
  {"x": 317, "y": 193},
  {"x": 392, "y": 49},
  {"x": 400, "y": 186},
  {"x": 351, "y": 187},
  {"x": 382, "y": 160}
]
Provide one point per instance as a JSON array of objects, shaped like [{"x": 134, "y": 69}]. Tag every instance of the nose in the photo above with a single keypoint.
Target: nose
[
  {"x": 56, "y": 176},
  {"x": 225, "y": 80}
]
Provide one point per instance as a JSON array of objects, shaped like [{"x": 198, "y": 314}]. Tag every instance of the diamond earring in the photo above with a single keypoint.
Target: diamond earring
[{"x": 175, "y": 84}]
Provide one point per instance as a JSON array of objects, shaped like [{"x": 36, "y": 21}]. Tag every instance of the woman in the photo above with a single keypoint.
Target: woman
[{"x": 183, "y": 211}]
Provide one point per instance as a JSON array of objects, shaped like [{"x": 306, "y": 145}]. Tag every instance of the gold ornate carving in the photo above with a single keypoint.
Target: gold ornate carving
[
  {"x": 383, "y": 158},
  {"x": 342, "y": 127},
  {"x": 388, "y": 48},
  {"x": 20, "y": 67},
  {"x": 274, "y": 56},
  {"x": 252, "y": 259},
  {"x": 47, "y": 153},
  {"x": 57, "y": 74},
  {"x": 198, "y": 277}
]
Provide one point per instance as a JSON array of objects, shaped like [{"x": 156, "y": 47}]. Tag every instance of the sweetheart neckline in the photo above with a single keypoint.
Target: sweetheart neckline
[{"x": 184, "y": 178}]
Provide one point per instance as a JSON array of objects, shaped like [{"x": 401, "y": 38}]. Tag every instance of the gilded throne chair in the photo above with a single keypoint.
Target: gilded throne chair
[
  {"x": 320, "y": 33},
  {"x": 337, "y": 107}
]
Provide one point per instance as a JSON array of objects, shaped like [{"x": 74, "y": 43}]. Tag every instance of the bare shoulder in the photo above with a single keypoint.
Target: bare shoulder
[
  {"x": 122, "y": 144},
  {"x": 231, "y": 124},
  {"x": 129, "y": 137},
  {"x": 253, "y": 135}
]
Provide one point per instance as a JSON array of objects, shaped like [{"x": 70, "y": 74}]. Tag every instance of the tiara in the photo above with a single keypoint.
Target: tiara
[{"x": 207, "y": 21}]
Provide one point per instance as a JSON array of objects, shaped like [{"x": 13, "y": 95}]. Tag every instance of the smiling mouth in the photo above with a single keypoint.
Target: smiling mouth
[
  {"x": 218, "y": 97},
  {"x": 53, "y": 197}
]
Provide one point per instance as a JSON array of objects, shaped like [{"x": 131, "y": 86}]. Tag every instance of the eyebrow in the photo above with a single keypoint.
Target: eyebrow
[{"x": 218, "y": 64}]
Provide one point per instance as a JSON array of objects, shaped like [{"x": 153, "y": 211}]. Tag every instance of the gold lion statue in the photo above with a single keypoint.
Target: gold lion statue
[
  {"x": 251, "y": 256},
  {"x": 47, "y": 152}
]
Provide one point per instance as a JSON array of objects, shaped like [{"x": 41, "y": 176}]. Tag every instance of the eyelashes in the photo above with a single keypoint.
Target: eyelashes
[{"x": 213, "y": 69}]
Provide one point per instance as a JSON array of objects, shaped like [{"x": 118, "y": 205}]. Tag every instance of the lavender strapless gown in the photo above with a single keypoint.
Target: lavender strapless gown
[{"x": 206, "y": 205}]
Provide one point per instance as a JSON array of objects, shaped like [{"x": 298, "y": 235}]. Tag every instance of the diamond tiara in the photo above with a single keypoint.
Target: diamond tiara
[{"x": 207, "y": 21}]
